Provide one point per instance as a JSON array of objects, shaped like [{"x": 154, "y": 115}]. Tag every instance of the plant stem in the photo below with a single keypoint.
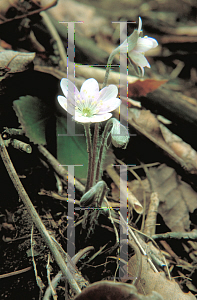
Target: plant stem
[
  {"x": 96, "y": 127},
  {"x": 36, "y": 218},
  {"x": 102, "y": 147},
  {"x": 89, "y": 150},
  {"x": 109, "y": 62},
  {"x": 94, "y": 154}
]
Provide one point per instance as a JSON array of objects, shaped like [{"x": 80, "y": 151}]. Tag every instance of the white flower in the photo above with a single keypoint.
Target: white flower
[
  {"x": 89, "y": 105},
  {"x": 136, "y": 46}
]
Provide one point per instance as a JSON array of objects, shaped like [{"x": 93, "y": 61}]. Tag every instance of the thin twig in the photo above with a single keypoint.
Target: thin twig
[
  {"x": 133, "y": 245},
  {"x": 58, "y": 277},
  {"x": 150, "y": 222},
  {"x": 15, "y": 272},
  {"x": 56, "y": 37},
  {"x": 131, "y": 233},
  {"x": 39, "y": 282},
  {"x": 35, "y": 217},
  {"x": 53, "y": 292},
  {"x": 192, "y": 235},
  {"x": 59, "y": 169}
]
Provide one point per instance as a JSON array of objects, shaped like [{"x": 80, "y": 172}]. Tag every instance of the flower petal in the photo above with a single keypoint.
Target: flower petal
[
  {"x": 108, "y": 92},
  {"x": 132, "y": 42},
  {"x": 89, "y": 89},
  {"x": 68, "y": 106},
  {"x": 144, "y": 44},
  {"x": 139, "y": 25},
  {"x": 94, "y": 119},
  {"x": 139, "y": 59},
  {"x": 69, "y": 89},
  {"x": 109, "y": 105}
]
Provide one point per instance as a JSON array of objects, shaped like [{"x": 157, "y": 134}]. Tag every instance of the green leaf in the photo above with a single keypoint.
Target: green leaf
[
  {"x": 71, "y": 150},
  {"x": 33, "y": 115}
]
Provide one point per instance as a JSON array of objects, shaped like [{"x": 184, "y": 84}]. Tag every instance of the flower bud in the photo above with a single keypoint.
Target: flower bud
[
  {"x": 88, "y": 197},
  {"x": 119, "y": 135}
]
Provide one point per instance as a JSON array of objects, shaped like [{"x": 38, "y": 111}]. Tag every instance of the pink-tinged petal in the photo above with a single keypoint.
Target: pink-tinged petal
[
  {"x": 144, "y": 44},
  {"x": 69, "y": 107},
  {"x": 109, "y": 105},
  {"x": 108, "y": 92},
  {"x": 139, "y": 25},
  {"x": 89, "y": 89},
  {"x": 94, "y": 119},
  {"x": 139, "y": 59},
  {"x": 69, "y": 89}
]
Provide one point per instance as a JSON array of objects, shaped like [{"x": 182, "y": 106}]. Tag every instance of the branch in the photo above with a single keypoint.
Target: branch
[{"x": 35, "y": 217}]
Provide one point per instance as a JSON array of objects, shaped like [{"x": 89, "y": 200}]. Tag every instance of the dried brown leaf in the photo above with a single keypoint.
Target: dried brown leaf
[
  {"x": 177, "y": 198},
  {"x": 147, "y": 120},
  {"x": 151, "y": 281},
  {"x": 143, "y": 87},
  {"x": 182, "y": 149}
]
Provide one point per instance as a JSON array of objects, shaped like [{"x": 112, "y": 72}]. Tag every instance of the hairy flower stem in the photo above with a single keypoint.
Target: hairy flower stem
[
  {"x": 96, "y": 128},
  {"x": 94, "y": 154},
  {"x": 103, "y": 146},
  {"x": 89, "y": 151},
  {"x": 109, "y": 62}
]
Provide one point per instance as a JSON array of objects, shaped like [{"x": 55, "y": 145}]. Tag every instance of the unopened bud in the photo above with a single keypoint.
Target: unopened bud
[
  {"x": 119, "y": 135},
  {"x": 89, "y": 196}
]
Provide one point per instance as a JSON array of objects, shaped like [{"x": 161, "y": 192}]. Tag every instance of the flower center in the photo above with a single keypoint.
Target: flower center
[{"x": 87, "y": 112}]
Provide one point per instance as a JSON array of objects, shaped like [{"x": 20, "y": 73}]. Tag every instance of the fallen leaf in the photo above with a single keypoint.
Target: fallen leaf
[
  {"x": 150, "y": 281},
  {"x": 177, "y": 198},
  {"x": 143, "y": 87},
  {"x": 147, "y": 120},
  {"x": 180, "y": 148}
]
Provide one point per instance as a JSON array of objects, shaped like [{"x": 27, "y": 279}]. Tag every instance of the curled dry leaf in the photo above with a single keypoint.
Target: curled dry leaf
[
  {"x": 143, "y": 87},
  {"x": 150, "y": 222},
  {"x": 146, "y": 123},
  {"x": 182, "y": 149},
  {"x": 14, "y": 61},
  {"x": 177, "y": 198},
  {"x": 146, "y": 119},
  {"x": 151, "y": 281},
  {"x": 108, "y": 290}
]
